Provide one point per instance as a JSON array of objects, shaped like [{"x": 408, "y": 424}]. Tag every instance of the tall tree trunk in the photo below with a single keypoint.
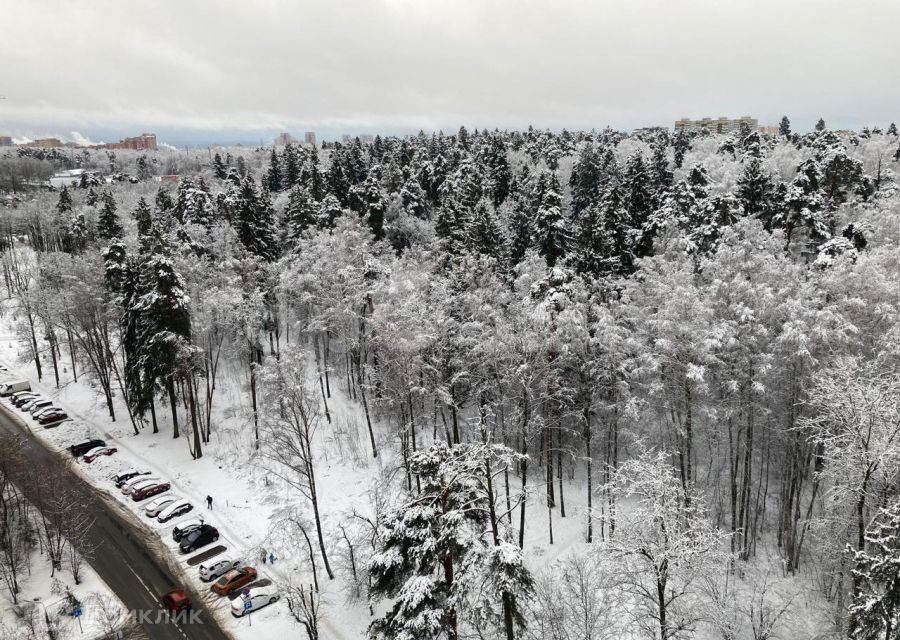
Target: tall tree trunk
[{"x": 170, "y": 387}]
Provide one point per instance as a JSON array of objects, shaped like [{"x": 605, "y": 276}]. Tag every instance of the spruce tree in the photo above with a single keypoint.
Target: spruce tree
[
  {"x": 485, "y": 232},
  {"x": 784, "y": 129},
  {"x": 219, "y": 167},
  {"x": 756, "y": 189},
  {"x": 164, "y": 200},
  {"x": 64, "y": 204},
  {"x": 301, "y": 213},
  {"x": 875, "y": 611},
  {"x": 91, "y": 199},
  {"x": 820, "y": 125},
  {"x": 682, "y": 145},
  {"x": 551, "y": 232},
  {"x": 374, "y": 203},
  {"x": 273, "y": 176},
  {"x": 108, "y": 225},
  {"x": 585, "y": 179},
  {"x": 521, "y": 228},
  {"x": 892, "y": 130}
]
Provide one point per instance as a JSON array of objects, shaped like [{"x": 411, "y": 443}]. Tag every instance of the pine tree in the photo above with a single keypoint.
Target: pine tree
[
  {"x": 108, "y": 225},
  {"x": 875, "y": 611},
  {"x": 892, "y": 130},
  {"x": 219, "y": 167},
  {"x": 329, "y": 211},
  {"x": 521, "y": 228},
  {"x": 756, "y": 190},
  {"x": 682, "y": 145},
  {"x": 301, "y": 213},
  {"x": 551, "y": 233},
  {"x": 273, "y": 176},
  {"x": 291, "y": 167},
  {"x": 164, "y": 200},
  {"x": 165, "y": 329},
  {"x": 64, "y": 204},
  {"x": 374, "y": 202},
  {"x": 784, "y": 129},
  {"x": 820, "y": 125},
  {"x": 91, "y": 198},
  {"x": 485, "y": 232},
  {"x": 585, "y": 180},
  {"x": 434, "y": 561}
]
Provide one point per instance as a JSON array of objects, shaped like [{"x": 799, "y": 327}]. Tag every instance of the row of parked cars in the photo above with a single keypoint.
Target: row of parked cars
[
  {"x": 230, "y": 577},
  {"x": 41, "y": 409}
]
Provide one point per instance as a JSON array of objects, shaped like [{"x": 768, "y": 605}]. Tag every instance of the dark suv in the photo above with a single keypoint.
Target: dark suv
[
  {"x": 82, "y": 448},
  {"x": 199, "y": 537}
]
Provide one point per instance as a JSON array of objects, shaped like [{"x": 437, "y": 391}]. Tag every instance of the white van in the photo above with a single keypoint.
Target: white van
[{"x": 8, "y": 388}]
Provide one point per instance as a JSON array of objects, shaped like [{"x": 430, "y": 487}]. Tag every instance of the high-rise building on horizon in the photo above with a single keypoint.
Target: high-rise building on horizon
[{"x": 310, "y": 138}]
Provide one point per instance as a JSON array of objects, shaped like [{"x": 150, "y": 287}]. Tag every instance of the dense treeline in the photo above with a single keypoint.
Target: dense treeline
[{"x": 702, "y": 326}]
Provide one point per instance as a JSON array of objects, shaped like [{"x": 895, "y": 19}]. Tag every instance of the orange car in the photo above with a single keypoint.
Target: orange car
[{"x": 234, "y": 580}]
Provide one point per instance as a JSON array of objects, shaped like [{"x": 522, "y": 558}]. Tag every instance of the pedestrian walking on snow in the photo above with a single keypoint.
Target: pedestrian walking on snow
[
  {"x": 263, "y": 555},
  {"x": 209, "y": 502}
]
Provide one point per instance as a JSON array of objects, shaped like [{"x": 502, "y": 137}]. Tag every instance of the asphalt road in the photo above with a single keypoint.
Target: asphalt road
[{"x": 122, "y": 557}]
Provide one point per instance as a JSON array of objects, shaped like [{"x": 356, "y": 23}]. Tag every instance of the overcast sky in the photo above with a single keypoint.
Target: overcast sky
[{"x": 208, "y": 70}]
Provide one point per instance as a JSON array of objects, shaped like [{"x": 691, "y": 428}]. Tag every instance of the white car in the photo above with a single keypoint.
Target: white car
[
  {"x": 214, "y": 568},
  {"x": 175, "y": 509},
  {"x": 137, "y": 483},
  {"x": 40, "y": 407},
  {"x": 158, "y": 504},
  {"x": 257, "y": 598},
  {"x": 50, "y": 409},
  {"x": 37, "y": 402}
]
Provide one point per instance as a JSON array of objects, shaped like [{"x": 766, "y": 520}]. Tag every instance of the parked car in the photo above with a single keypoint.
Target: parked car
[
  {"x": 200, "y": 537},
  {"x": 257, "y": 597},
  {"x": 234, "y": 580},
  {"x": 38, "y": 409},
  {"x": 175, "y": 509},
  {"x": 212, "y": 569},
  {"x": 153, "y": 508},
  {"x": 18, "y": 394},
  {"x": 124, "y": 476},
  {"x": 130, "y": 485},
  {"x": 78, "y": 450},
  {"x": 14, "y": 386},
  {"x": 93, "y": 454},
  {"x": 51, "y": 418},
  {"x": 183, "y": 528},
  {"x": 21, "y": 400},
  {"x": 153, "y": 489},
  {"x": 37, "y": 413},
  {"x": 176, "y": 601},
  {"x": 36, "y": 403}
]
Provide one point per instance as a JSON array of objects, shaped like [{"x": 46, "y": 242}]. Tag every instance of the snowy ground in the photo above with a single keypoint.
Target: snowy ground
[
  {"x": 246, "y": 499},
  {"x": 101, "y": 610}
]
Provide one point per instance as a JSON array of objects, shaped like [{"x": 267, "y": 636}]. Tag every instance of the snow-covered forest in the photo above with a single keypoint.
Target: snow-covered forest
[{"x": 602, "y": 385}]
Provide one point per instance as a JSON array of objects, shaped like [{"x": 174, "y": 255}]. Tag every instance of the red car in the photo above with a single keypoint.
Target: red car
[
  {"x": 233, "y": 580},
  {"x": 176, "y": 601},
  {"x": 93, "y": 454},
  {"x": 152, "y": 490}
]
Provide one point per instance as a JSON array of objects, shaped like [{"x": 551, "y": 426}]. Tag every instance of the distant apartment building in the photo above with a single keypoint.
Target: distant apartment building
[
  {"x": 716, "y": 125},
  {"x": 143, "y": 142},
  {"x": 346, "y": 139},
  {"x": 310, "y": 138},
  {"x": 769, "y": 129},
  {"x": 5, "y": 141},
  {"x": 284, "y": 139},
  {"x": 45, "y": 143}
]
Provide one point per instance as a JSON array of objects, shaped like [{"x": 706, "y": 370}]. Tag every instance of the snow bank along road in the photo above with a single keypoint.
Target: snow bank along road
[{"x": 122, "y": 557}]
